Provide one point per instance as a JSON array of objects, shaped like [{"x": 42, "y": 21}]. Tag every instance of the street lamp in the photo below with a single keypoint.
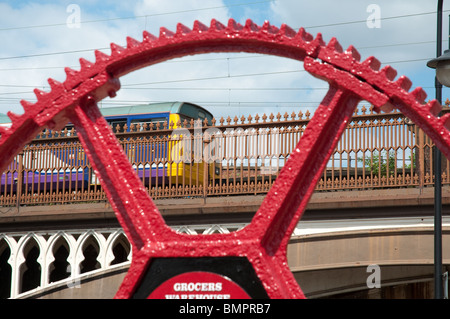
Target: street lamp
[{"x": 442, "y": 65}]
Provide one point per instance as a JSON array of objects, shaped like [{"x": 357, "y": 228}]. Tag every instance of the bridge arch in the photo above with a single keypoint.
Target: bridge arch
[
  {"x": 5, "y": 268},
  {"x": 91, "y": 251},
  {"x": 59, "y": 257},
  {"x": 30, "y": 262},
  {"x": 117, "y": 240}
]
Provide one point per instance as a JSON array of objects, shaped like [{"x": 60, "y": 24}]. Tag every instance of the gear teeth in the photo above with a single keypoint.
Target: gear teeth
[
  {"x": 216, "y": 25},
  {"x": 419, "y": 94},
  {"x": 13, "y": 116},
  {"x": 353, "y": 53},
  {"x": 302, "y": 34},
  {"x": 445, "y": 120},
  {"x": 100, "y": 57},
  {"x": 40, "y": 95},
  {"x": 27, "y": 106},
  {"x": 131, "y": 42},
  {"x": 290, "y": 33},
  {"x": 182, "y": 29},
  {"x": 312, "y": 45},
  {"x": 199, "y": 27},
  {"x": 233, "y": 25},
  {"x": 335, "y": 45},
  {"x": 85, "y": 64},
  {"x": 148, "y": 37},
  {"x": 372, "y": 63},
  {"x": 70, "y": 72},
  {"x": 434, "y": 107},
  {"x": 251, "y": 26},
  {"x": 54, "y": 85},
  {"x": 165, "y": 33},
  {"x": 266, "y": 27},
  {"x": 116, "y": 49},
  {"x": 404, "y": 83},
  {"x": 71, "y": 78},
  {"x": 389, "y": 72},
  {"x": 319, "y": 40}
]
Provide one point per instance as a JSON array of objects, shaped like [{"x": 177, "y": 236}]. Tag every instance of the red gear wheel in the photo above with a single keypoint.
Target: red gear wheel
[{"x": 264, "y": 241}]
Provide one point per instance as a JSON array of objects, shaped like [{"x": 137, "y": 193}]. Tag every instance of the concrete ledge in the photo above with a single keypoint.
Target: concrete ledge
[{"x": 228, "y": 205}]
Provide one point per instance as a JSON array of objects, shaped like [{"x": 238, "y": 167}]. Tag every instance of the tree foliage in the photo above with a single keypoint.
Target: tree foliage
[{"x": 384, "y": 163}]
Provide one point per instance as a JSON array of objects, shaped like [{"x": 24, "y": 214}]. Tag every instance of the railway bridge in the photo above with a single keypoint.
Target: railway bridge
[{"x": 367, "y": 231}]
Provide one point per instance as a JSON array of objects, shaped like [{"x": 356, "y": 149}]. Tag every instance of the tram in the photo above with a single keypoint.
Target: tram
[{"x": 157, "y": 162}]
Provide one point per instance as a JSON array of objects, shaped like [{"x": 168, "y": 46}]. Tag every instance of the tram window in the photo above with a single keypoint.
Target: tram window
[{"x": 117, "y": 125}]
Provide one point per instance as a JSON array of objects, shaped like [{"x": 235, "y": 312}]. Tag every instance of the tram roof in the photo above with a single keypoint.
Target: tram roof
[
  {"x": 189, "y": 109},
  {"x": 164, "y": 107}
]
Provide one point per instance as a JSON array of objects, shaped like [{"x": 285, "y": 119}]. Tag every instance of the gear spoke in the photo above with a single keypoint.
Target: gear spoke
[
  {"x": 288, "y": 197},
  {"x": 128, "y": 197}
]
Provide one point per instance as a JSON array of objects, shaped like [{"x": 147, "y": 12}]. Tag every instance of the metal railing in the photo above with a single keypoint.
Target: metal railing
[{"x": 226, "y": 157}]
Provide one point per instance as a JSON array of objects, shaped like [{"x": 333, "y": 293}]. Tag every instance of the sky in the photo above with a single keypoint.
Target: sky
[{"x": 40, "y": 38}]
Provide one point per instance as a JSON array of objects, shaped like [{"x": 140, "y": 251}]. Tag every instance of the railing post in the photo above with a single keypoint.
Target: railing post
[
  {"x": 206, "y": 141},
  {"x": 421, "y": 158},
  {"x": 19, "y": 180}
]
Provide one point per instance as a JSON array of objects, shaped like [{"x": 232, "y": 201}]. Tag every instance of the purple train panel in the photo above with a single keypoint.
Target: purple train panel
[
  {"x": 158, "y": 176},
  {"x": 44, "y": 181},
  {"x": 38, "y": 182}
]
